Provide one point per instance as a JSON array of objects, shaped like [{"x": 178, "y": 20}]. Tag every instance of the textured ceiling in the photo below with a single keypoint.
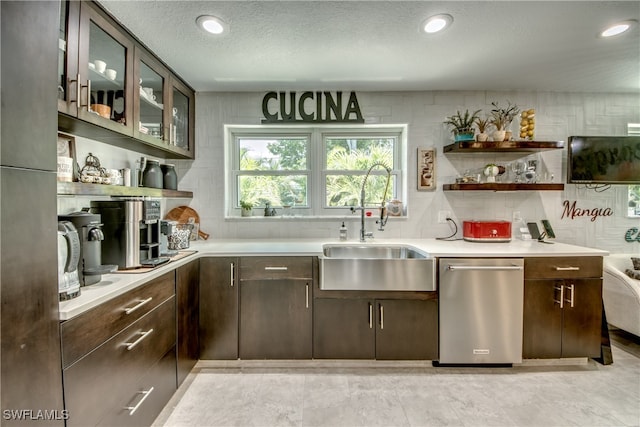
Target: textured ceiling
[{"x": 377, "y": 45}]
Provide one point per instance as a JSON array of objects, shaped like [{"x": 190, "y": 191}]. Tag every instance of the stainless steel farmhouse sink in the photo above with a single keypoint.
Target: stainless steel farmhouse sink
[{"x": 371, "y": 267}]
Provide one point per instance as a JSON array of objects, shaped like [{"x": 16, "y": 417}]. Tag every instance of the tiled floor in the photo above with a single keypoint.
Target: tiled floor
[{"x": 381, "y": 394}]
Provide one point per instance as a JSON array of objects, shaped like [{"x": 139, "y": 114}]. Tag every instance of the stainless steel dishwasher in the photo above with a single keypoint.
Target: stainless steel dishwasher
[{"x": 481, "y": 305}]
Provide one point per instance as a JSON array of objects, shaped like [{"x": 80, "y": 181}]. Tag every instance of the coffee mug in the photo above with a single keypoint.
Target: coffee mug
[
  {"x": 111, "y": 74},
  {"x": 148, "y": 91},
  {"x": 100, "y": 65}
]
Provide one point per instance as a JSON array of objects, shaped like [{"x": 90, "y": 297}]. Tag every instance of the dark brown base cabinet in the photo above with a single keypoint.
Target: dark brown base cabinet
[
  {"x": 384, "y": 329},
  {"x": 187, "y": 296},
  {"x": 127, "y": 375},
  {"x": 563, "y": 307},
  {"x": 218, "y": 308},
  {"x": 276, "y": 307}
]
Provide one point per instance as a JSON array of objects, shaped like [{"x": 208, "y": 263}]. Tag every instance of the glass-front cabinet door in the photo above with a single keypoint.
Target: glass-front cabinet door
[
  {"x": 105, "y": 64},
  {"x": 68, "y": 57},
  {"x": 150, "y": 113},
  {"x": 182, "y": 118}
]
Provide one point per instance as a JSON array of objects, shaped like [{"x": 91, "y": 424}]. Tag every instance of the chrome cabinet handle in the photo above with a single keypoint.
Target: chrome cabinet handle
[
  {"x": 132, "y": 409},
  {"x": 232, "y": 273},
  {"x": 276, "y": 268},
  {"x": 131, "y": 345},
  {"x": 68, "y": 94},
  {"x": 370, "y": 316},
  {"x": 306, "y": 295},
  {"x": 572, "y": 289},
  {"x": 567, "y": 268},
  {"x": 134, "y": 308},
  {"x": 484, "y": 267},
  {"x": 561, "y": 301},
  {"x": 381, "y": 316}
]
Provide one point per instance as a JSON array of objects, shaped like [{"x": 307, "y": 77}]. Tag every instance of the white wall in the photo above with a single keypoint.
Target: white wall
[{"x": 558, "y": 116}]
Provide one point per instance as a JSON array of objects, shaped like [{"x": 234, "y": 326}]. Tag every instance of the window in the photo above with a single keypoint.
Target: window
[
  {"x": 633, "y": 129},
  {"x": 318, "y": 171},
  {"x": 272, "y": 169},
  {"x": 347, "y": 161},
  {"x": 634, "y": 201}
]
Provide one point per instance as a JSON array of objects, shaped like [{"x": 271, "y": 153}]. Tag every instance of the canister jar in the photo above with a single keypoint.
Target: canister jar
[
  {"x": 152, "y": 175},
  {"x": 169, "y": 177}
]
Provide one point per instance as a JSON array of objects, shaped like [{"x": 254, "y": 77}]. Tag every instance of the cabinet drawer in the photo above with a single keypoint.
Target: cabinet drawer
[
  {"x": 82, "y": 334},
  {"x": 261, "y": 268},
  {"x": 143, "y": 402},
  {"x": 562, "y": 267},
  {"x": 96, "y": 383}
]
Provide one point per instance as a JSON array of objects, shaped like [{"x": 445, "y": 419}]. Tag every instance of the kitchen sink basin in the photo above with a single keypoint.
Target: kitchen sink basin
[{"x": 371, "y": 267}]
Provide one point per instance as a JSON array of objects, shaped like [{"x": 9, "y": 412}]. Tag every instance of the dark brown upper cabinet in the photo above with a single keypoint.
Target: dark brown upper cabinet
[{"x": 113, "y": 89}]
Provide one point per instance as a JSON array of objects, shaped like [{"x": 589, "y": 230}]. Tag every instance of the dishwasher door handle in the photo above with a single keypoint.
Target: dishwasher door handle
[{"x": 485, "y": 267}]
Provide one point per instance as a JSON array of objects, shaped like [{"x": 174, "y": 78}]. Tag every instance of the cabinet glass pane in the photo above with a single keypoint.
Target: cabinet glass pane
[
  {"x": 180, "y": 120},
  {"x": 62, "y": 52},
  {"x": 107, "y": 65},
  {"x": 151, "y": 102}
]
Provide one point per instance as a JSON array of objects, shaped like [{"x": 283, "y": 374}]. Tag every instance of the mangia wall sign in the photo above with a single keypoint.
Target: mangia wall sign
[
  {"x": 572, "y": 211},
  {"x": 310, "y": 107}
]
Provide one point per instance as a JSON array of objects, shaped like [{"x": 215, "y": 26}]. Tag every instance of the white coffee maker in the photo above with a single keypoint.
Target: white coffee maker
[{"x": 68, "y": 257}]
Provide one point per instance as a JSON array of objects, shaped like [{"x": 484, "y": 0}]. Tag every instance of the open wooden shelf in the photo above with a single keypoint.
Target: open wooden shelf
[
  {"x": 503, "y": 146},
  {"x": 81, "y": 189},
  {"x": 502, "y": 187}
]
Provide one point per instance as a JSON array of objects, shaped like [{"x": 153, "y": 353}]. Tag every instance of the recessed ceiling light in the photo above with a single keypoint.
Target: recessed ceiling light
[
  {"x": 618, "y": 28},
  {"x": 211, "y": 24},
  {"x": 436, "y": 23}
]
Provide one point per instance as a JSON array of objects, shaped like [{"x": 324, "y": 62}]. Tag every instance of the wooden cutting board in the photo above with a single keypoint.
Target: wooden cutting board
[{"x": 182, "y": 215}]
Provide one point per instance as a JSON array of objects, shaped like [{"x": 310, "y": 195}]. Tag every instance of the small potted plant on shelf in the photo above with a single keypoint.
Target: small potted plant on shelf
[
  {"x": 462, "y": 125},
  {"x": 246, "y": 208},
  {"x": 501, "y": 118},
  {"x": 482, "y": 124}
]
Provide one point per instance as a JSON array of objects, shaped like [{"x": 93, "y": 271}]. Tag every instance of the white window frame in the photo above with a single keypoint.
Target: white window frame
[{"x": 317, "y": 172}]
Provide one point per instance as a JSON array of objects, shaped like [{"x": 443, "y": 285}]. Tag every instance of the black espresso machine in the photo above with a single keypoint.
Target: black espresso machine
[{"x": 132, "y": 232}]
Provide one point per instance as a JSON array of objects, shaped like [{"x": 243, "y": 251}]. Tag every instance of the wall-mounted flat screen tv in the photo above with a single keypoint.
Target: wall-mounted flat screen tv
[{"x": 603, "y": 160}]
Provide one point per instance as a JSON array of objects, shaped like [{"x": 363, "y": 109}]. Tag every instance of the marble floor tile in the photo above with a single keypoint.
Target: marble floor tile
[{"x": 368, "y": 393}]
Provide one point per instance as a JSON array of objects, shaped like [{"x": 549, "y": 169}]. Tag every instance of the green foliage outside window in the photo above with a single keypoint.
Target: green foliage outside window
[
  {"x": 353, "y": 157},
  {"x": 271, "y": 165},
  {"x": 276, "y": 170}
]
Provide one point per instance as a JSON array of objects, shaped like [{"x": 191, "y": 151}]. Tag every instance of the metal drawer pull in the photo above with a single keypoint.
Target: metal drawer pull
[
  {"x": 572, "y": 289},
  {"x": 276, "y": 268},
  {"x": 561, "y": 301},
  {"x": 567, "y": 268},
  {"x": 381, "y": 317},
  {"x": 370, "y": 316},
  {"x": 132, "y": 409},
  {"x": 306, "y": 295},
  {"x": 484, "y": 267},
  {"x": 131, "y": 345},
  {"x": 232, "y": 273},
  {"x": 134, "y": 308}
]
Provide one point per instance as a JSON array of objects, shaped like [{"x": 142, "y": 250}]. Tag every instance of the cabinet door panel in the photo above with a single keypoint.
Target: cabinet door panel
[
  {"x": 407, "y": 330},
  {"x": 218, "y": 308},
  {"x": 275, "y": 319},
  {"x": 542, "y": 332},
  {"x": 343, "y": 329},
  {"x": 582, "y": 322},
  {"x": 187, "y": 292}
]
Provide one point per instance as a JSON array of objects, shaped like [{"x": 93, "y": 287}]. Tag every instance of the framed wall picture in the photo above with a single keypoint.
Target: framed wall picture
[
  {"x": 67, "y": 169},
  {"x": 426, "y": 168}
]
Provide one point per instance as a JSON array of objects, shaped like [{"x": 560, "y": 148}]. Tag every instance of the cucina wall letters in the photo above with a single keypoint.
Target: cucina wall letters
[{"x": 310, "y": 107}]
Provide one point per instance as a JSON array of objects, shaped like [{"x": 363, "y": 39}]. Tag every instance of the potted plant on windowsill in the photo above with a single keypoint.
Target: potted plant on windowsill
[
  {"x": 501, "y": 119},
  {"x": 246, "y": 208},
  {"x": 462, "y": 125}
]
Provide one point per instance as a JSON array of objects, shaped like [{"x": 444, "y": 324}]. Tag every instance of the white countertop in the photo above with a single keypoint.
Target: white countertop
[{"x": 116, "y": 284}]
